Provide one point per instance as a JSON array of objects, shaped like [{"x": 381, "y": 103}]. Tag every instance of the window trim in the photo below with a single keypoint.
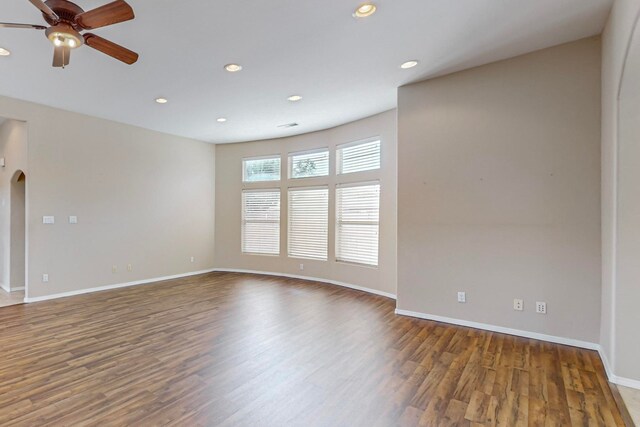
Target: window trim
[
  {"x": 306, "y": 188},
  {"x": 337, "y": 221},
  {"x": 243, "y": 221},
  {"x": 353, "y": 144},
  {"x": 266, "y": 157},
  {"x": 313, "y": 151}
]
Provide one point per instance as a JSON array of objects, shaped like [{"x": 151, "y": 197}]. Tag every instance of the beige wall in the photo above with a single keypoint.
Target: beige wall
[
  {"x": 13, "y": 147},
  {"x": 229, "y": 187},
  {"x": 498, "y": 176},
  {"x": 620, "y": 198},
  {"x": 141, "y": 197}
]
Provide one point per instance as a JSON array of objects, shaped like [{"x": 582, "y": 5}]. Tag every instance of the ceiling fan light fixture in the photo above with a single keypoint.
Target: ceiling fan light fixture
[
  {"x": 4, "y": 52},
  {"x": 161, "y": 100},
  {"x": 365, "y": 10},
  {"x": 221, "y": 119},
  {"x": 295, "y": 98},
  {"x": 64, "y": 35}
]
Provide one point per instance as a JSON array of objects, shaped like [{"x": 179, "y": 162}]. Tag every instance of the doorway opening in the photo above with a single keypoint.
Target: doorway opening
[{"x": 17, "y": 238}]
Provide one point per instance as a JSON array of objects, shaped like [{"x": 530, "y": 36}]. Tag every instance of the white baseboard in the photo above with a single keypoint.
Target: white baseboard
[
  {"x": 623, "y": 381},
  {"x": 314, "y": 279},
  {"x": 626, "y": 382},
  {"x": 501, "y": 329},
  {"x": 115, "y": 286},
  {"x": 2, "y": 285}
]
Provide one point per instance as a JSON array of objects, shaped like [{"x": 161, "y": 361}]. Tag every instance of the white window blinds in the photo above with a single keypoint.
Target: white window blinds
[
  {"x": 308, "y": 223},
  {"x": 357, "y": 217},
  {"x": 263, "y": 169},
  {"x": 309, "y": 164},
  {"x": 358, "y": 157},
  {"x": 261, "y": 222}
]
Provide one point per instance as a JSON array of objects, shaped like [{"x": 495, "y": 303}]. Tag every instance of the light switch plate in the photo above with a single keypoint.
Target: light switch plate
[
  {"x": 48, "y": 220},
  {"x": 73, "y": 219}
]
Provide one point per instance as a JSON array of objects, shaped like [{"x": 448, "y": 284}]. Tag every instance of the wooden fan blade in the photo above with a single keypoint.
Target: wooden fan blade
[
  {"x": 110, "y": 48},
  {"x": 61, "y": 56},
  {"x": 109, "y": 14},
  {"x": 45, "y": 9},
  {"x": 12, "y": 25}
]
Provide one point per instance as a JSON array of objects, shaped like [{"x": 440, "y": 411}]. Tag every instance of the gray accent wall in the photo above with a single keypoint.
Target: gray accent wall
[{"x": 498, "y": 177}]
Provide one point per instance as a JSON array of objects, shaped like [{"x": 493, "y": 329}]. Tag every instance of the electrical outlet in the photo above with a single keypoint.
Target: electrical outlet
[
  {"x": 462, "y": 297},
  {"x": 193, "y": 259},
  {"x": 114, "y": 268},
  {"x": 518, "y": 304},
  {"x": 541, "y": 307},
  {"x": 73, "y": 219},
  {"x": 45, "y": 278},
  {"x": 129, "y": 267},
  {"x": 301, "y": 267}
]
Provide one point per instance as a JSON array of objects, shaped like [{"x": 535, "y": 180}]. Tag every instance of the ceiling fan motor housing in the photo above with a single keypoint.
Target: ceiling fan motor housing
[{"x": 66, "y": 11}]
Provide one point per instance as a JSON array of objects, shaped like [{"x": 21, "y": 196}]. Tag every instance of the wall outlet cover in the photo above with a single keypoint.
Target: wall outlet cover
[
  {"x": 518, "y": 304},
  {"x": 462, "y": 297}
]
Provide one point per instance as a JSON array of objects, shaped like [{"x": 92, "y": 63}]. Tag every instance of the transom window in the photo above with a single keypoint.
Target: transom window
[
  {"x": 309, "y": 164},
  {"x": 358, "y": 156},
  {"x": 261, "y": 169}
]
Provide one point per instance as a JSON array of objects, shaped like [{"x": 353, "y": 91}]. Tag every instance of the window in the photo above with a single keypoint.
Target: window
[
  {"x": 262, "y": 169},
  {"x": 261, "y": 222},
  {"x": 308, "y": 222},
  {"x": 357, "y": 217},
  {"x": 358, "y": 157},
  {"x": 309, "y": 164}
]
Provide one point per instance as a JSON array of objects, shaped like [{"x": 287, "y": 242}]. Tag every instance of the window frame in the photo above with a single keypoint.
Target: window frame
[
  {"x": 290, "y": 156},
  {"x": 243, "y": 221},
  {"x": 338, "y": 154},
  {"x": 289, "y": 210},
  {"x": 267, "y": 157},
  {"x": 338, "y": 222}
]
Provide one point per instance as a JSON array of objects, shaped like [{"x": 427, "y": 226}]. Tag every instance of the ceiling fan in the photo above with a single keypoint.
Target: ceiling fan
[{"x": 66, "y": 20}]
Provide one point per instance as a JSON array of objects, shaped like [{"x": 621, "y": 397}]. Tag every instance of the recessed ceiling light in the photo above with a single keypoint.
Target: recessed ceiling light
[
  {"x": 221, "y": 120},
  {"x": 4, "y": 52},
  {"x": 233, "y": 68},
  {"x": 364, "y": 10},
  {"x": 294, "y": 98},
  {"x": 409, "y": 64},
  {"x": 162, "y": 100}
]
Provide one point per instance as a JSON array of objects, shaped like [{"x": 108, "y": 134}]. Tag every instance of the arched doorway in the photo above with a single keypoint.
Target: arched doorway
[
  {"x": 17, "y": 267},
  {"x": 17, "y": 240}
]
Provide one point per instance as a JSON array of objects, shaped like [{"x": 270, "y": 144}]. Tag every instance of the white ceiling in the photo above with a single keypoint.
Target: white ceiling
[{"x": 345, "y": 68}]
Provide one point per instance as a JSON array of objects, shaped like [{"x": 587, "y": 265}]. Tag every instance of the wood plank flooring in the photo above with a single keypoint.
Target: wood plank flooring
[{"x": 243, "y": 350}]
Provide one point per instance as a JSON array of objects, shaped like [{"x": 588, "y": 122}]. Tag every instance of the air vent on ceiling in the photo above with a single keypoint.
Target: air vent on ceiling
[{"x": 288, "y": 125}]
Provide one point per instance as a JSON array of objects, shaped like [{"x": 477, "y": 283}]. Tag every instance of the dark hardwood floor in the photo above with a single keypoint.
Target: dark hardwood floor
[{"x": 244, "y": 350}]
